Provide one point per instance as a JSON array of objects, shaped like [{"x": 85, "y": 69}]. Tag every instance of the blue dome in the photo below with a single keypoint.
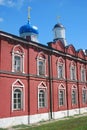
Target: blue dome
[{"x": 28, "y": 29}]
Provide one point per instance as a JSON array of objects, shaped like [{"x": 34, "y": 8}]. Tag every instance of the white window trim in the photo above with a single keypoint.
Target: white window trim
[
  {"x": 72, "y": 66},
  {"x": 17, "y": 53},
  {"x": 59, "y": 64},
  {"x": 42, "y": 59},
  {"x": 74, "y": 87},
  {"x": 62, "y": 87},
  {"x": 41, "y": 87},
  {"x": 22, "y": 88}
]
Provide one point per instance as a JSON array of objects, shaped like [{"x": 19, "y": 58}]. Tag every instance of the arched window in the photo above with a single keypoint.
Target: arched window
[
  {"x": 74, "y": 95},
  {"x": 41, "y": 65},
  {"x": 42, "y": 96},
  {"x": 18, "y": 98},
  {"x": 84, "y": 95},
  {"x": 73, "y": 71},
  {"x": 62, "y": 95},
  {"x": 61, "y": 68},
  {"x": 17, "y": 59}
]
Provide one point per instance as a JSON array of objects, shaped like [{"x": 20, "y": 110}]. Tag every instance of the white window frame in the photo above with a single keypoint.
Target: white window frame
[
  {"x": 19, "y": 54},
  {"x": 21, "y": 88},
  {"x": 44, "y": 61},
  {"x": 61, "y": 62},
  {"x": 74, "y": 99},
  {"x": 42, "y": 87},
  {"x": 73, "y": 74},
  {"x": 62, "y": 88}
]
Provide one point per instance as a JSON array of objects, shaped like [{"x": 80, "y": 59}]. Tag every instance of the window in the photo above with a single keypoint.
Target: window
[
  {"x": 83, "y": 75},
  {"x": 60, "y": 71},
  {"x": 42, "y": 96},
  {"x": 17, "y": 64},
  {"x": 84, "y": 95},
  {"x": 74, "y": 96},
  {"x": 61, "y": 68},
  {"x": 17, "y": 99},
  {"x": 61, "y": 95},
  {"x": 41, "y": 64},
  {"x": 41, "y": 67},
  {"x": 17, "y": 59},
  {"x": 73, "y": 72}
]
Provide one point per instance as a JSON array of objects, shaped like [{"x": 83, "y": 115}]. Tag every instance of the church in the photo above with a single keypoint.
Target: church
[{"x": 40, "y": 82}]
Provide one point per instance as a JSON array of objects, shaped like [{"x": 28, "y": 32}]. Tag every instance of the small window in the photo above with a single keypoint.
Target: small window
[
  {"x": 61, "y": 97},
  {"x": 18, "y": 59},
  {"x": 41, "y": 67},
  {"x": 73, "y": 72},
  {"x": 17, "y": 64},
  {"x": 83, "y": 75},
  {"x": 41, "y": 64},
  {"x": 42, "y": 99},
  {"x": 84, "y": 96},
  {"x": 74, "y": 97},
  {"x": 42, "y": 95},
  {"x": 60, "y": 71},
  {"x": 17, "y": 99}
]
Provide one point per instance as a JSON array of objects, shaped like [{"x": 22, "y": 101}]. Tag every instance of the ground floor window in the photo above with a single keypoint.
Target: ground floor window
[{"x": 84, "y": 95}]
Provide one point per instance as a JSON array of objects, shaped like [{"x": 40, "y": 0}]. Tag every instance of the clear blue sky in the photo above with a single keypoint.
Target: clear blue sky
[{"x": 73, "y": 13}]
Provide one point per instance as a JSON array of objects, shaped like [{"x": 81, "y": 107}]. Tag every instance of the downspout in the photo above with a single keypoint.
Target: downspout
[{"x": 50, "y": 84}]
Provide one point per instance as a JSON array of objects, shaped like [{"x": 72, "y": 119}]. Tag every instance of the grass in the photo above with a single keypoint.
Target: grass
[{"x": 79, "y": 123}]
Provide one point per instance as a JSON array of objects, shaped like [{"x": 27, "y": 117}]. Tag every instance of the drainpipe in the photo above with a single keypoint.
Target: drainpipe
[{"x": 50, "y": 84}]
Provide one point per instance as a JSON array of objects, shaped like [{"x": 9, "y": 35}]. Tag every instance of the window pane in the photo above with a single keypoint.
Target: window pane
[
  {"x": 17, "y": 99},
  {"x": 17, "y": 63},
  {"x": 61, "y": 97},
  {"x": 84, "y": 96},
  {"x": 60, "y": 71},
  {"x": 41, "y": 67},
  {"x": 41, "y": 98},
  {"x": 73, "y": 96}
]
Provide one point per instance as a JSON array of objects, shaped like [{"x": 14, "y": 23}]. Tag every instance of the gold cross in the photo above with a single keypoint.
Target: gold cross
[{"x": 29, "y": 9}]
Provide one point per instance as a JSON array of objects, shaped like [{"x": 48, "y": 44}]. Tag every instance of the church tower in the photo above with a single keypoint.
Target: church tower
[
  {"x": 59, "y": 33},
  {"x": 28, "y": 31}
]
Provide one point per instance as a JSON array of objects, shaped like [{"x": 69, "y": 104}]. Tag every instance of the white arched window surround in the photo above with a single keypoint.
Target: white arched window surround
[
  {"x": 61, "y": 68},
  {"x": 84, "y": 95},
  {"x": 72, "y": 71},
  {"x": 18, "y": 59},
  {"x": 18, "y": 85},
  {"x": 83, "y": 73},
  {"x": 74, "y": 95},
  {"x": 62, "y": 95},
  {"x": 41, "y": 64},
  {"x": 42, "y": 95}
]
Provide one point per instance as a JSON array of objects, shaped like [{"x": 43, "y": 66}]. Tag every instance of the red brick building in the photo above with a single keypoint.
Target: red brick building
[{"x": 39, "y": 82}]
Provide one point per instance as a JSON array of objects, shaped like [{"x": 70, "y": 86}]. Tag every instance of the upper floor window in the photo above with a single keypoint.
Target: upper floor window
[
  {"x": 41, "y": 65},
  {"x": 42, "y": 96},
  {"x": 73, "y": 72},
  {"x": 17, "y": 95},
  {"x": 83, "y": 74},
  {"x": 61, "y": 68},
  {"x": 74, "y": 95},
  {"x": 18, "y": 59},
  {"x": 84, "y": 95},
  {"x": 62, "y": 96}
]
